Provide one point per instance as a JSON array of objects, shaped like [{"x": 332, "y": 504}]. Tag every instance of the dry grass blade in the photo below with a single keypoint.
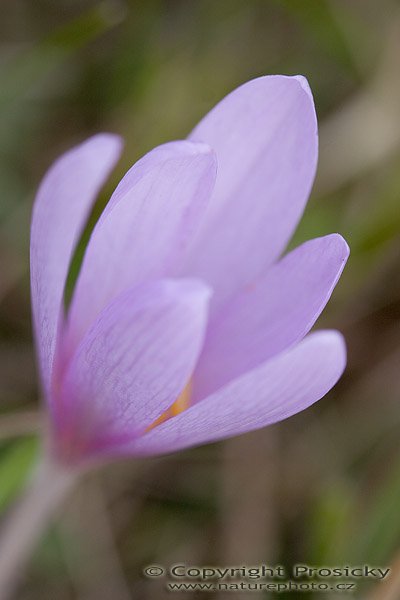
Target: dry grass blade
[{"x": 390, "y": 589}]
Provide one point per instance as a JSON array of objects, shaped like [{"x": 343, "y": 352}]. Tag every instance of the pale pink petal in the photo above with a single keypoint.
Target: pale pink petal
[
  {"x": 132, "y": 364},
  {"x": 265, "y": 138},
  {"x": 144, "y": 230},
  {"x": 61, "y": 208},
  {"x": 271, "y": 314},
  {"x": 283, "y": 386}
]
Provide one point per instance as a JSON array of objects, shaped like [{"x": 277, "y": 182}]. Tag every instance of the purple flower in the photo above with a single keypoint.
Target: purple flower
[{"x": 185, "y": 325}]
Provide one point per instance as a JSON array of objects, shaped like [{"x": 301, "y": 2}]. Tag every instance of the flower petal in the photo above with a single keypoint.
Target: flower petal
[
  {"x": 61, "y": 208},
  {"x": 274, "y": 313},
  {"x": 281, "y": 387},
  {"x": 265, "y": 137},
  {"x": 132, "y": 364},
  {"x": 144, "y": 230}
]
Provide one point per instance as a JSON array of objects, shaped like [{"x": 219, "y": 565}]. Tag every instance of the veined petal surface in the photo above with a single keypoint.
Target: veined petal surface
[
  {"x": 144, "y": 230},
  {"x": 274, "y": 312},
  {"x": 264, "y": 135},
  {"x": 283, "y": 386},
  {"x": 132, "y": 364},
  {"x": 62, "y": 205}
]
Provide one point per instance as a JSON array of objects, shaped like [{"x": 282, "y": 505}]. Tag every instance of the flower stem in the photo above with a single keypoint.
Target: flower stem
[{"x": 28, "y": 518}]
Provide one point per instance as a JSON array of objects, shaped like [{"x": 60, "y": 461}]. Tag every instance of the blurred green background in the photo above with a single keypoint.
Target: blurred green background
[{"x": 322, "y": 487}]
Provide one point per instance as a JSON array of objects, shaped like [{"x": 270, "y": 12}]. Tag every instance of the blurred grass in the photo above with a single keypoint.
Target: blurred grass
[
  {"x": 16, "y": 462},
  {"x": 149, "y": 70}
]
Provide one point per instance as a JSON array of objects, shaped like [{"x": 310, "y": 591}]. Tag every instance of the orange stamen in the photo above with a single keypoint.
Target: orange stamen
[{"x": 180, "y": 404}]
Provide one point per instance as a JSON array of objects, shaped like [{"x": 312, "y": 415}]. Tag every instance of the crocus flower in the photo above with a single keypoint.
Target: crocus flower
[{"x": 185, "y": 325}]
